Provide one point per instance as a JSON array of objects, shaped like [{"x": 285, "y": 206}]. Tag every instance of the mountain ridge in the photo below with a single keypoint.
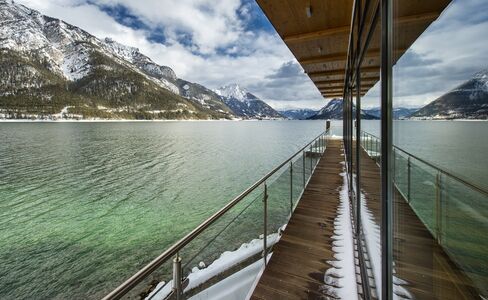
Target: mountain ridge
[
  {"x": 52, "y": 69},
  {"x": 245, "y": 104},
  {"x": 469, "y": 100},
  {"x": 333, "y": 110},
  {"x": 298, "y": 114}
]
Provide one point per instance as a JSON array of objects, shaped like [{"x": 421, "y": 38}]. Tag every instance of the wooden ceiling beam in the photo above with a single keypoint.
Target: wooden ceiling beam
[
  {"x": 372, "y": 69},
  {"x": 332, "y": 96},
  {"x": 345, "y": 29},
  {"x": 338, "y": 57},
  {"x": 329, "y": 81},
  {"x": 412, "y": 19},
  {"x": 323, "y": 59},
  {"x": 316, "y": 34},
  {"x": 365, "y": 82},
  {"x": 324, "y": 85}
]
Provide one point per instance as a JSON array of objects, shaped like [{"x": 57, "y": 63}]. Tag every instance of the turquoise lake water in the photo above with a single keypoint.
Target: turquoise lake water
[{"x": 85, "y": 205}]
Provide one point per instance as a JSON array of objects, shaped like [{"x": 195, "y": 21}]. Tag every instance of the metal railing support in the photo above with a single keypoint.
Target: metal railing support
[
  {"x": 438, "y": 215},
  {"x": 291, "y": 187},
  {"x": 177, "y": 278},
  {"x": 409, "y": 185},
  {"x": 311, "y": 161},
  {"x": 265, "y": 223},
  {"x": 303, "y": 160}
]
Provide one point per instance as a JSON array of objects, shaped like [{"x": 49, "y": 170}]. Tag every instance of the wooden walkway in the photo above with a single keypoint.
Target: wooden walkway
[
  {"x": 301, "y": 257},
  {"x": 299, "y": 261}
]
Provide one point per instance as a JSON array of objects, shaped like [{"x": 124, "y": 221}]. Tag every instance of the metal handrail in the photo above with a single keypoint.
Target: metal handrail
[
  {"x": 454, "y": 176},
  {"x": 125, "y": 287}
]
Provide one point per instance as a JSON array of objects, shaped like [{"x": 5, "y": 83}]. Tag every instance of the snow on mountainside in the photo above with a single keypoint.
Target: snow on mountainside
[
  {"x": 244, "y": 104},
  {"x": 399, "y": 113},
  {"x": 298, "y": 114},
  {"x": 467, "y": 101},
  {"x": 333, "y": 110},
  {"x": 47, "y": 65},
  {"x": 234, "y": 91}
]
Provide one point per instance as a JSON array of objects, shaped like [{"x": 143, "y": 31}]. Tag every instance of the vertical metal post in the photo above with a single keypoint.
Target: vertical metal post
[
  {"x": 386, "y": 148},
  {"x": 303, "y": 167},
  {"x": 291, "y": 187},
  {"x": 265, "y": 221},
  {"x": 367, "y": 144},
  {"x": 394, "y": 164},
  {"x": 378, "y": 151},
  {"x": 358, "y": 132},
  {"x": 311, "y": 161},
  {"x": 408, "y": 179},
  {"x": 177, "y": 279},
  {"x": 438, "y": 196}
]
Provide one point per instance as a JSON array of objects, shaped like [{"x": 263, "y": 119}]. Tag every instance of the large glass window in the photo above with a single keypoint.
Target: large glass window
[{"x": 440, "y": 73}]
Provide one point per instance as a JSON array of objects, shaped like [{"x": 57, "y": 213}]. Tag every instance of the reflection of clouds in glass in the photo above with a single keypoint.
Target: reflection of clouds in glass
[{"x": 448, "y": 53}]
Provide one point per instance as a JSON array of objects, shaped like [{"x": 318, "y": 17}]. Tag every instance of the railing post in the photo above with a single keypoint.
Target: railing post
[
  {"x": 438, "y": 196},
  {"x": 303, "y": 160},
  {"x": 368, "y": 145},
  {"x": 291, "y": 187},
  {"x": 311, "y": 161},
  {"x": 377, "y": 155},
  {"x": 177, "y": 279},
  {"x": 408, "y": 179},
  {"x": 265, "y": 221},
  {"x": 394, "y": 165}
]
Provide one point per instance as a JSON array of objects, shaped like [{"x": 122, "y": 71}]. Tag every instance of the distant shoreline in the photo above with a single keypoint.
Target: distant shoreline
[
  {"x": 129, "y": 120},
  {"x": 182, "y": 120}
]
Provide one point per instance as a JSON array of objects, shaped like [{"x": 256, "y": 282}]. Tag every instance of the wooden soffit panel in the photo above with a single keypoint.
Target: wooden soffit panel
[{"x": 317, "y": 33}]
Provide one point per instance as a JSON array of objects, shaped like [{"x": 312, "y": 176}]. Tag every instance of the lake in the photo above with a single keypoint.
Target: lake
[{"x": 85, "y": 205}]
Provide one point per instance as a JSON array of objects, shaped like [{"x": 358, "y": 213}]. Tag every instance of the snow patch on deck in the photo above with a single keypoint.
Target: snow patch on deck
[{"x": 341, "y": 279}]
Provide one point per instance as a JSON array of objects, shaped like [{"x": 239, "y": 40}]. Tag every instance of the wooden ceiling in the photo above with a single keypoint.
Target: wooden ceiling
[{"x": 317, "y": 33}]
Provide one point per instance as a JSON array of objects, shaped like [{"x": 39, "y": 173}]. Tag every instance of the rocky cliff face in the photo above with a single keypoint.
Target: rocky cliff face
[
  {"x": 246, "y": 105},
  {"x": 48, "y": 66}
]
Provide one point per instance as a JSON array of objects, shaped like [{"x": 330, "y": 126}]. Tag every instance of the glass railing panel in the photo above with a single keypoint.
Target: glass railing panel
[
  {"x": 279, "y": 201},
  {"x": 231, "y": 244},
  {"x": 401, "y": 172},
  {"x": 298, "y": 179},
  {"x": 464, "y": 227},
  {"x": 423, "y": 193}
]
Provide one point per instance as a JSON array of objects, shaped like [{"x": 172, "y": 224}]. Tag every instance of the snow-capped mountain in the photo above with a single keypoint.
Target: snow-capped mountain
[
  {"x": 48, "y": 66},
  {"x": 234, "y": 91},
  {"x": 467, "y": 101},
  {"x": 398, "y": 112},
  {"x": 244, "y": 104},
  {"x": 333, "y": 111},
  {"x": 298, "y": 114}
]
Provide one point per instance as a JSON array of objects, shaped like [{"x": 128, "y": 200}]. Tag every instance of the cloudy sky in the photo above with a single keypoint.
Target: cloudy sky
[{"x": 230, "y": 41}]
